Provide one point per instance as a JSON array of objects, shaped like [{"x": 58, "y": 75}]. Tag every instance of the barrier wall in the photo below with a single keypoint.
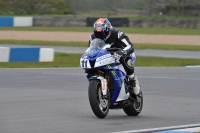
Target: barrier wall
[
  {"x": 59, "y": 21},
  {"x": 117, "y": 22},
  {"x": 6, "y": 21},
  {"x": 26, "y": 54},
  {"x": 165, "y": 23},
  {"x": 81, "y": 21},
  {"x": 23, "y": 21},
  {"x": 16, "y": 21},
  {"x": 4, "y": 54}
]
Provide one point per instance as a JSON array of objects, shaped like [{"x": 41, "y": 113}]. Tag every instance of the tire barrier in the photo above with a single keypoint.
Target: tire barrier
[
  {"x": 165, "y": 23},
  {"x": 58, "y": 21},
  {"x": 83, "y": 21},
  {"x": 29, "y": 54},
  {"x": 16, "y": 21}
]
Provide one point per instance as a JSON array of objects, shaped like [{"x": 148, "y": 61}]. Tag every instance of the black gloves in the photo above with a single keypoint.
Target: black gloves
[{"x": 119, "y": 54}]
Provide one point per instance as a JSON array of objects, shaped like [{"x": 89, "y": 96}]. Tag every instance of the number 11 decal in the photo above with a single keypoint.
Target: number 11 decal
[{"x": 84, "y": 63}]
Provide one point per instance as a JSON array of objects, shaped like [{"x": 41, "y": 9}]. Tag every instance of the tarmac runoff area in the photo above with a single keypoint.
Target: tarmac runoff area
[{"x": 55, "y": 100}]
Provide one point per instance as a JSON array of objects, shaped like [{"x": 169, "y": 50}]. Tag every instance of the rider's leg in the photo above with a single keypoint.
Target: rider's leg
[{"x": 127, "y": 63}]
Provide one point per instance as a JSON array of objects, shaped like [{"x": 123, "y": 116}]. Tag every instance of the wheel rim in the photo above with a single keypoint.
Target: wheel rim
[{"x": 137, "y": 105}]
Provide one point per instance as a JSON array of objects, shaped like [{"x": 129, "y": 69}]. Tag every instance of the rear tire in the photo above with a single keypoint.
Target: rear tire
[
  {"x": 135, "y": 108},
  {"x": 100, "y": 106}
]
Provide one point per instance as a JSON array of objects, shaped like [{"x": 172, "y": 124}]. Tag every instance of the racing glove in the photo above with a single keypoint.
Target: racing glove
[{"x": 119, "y": 54}]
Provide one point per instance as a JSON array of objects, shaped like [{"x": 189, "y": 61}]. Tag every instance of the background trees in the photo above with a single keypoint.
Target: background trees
[
  {"x": 182, "y": 7},
  {"x": 20, "y": 7},
  {"x": 148, "y": 7}
]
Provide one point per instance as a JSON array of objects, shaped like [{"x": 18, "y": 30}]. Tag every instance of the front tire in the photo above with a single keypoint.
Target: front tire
[
  {"x": 100, "y": 106},
  {"x": 136, "y": 107}
]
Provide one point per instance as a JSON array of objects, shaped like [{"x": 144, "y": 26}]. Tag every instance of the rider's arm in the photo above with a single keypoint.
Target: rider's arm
[{"x": 127, "y": 45}]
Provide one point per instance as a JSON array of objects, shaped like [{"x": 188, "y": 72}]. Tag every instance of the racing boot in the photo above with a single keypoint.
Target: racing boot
[{"x": 134, "y": 84}]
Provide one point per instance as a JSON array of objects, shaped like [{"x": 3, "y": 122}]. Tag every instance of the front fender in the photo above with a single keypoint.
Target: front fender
[{"x": 103, "y": 83}]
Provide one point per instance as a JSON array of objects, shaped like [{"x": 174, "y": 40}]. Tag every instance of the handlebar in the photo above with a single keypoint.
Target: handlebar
[{"x": 113, "y": 50}]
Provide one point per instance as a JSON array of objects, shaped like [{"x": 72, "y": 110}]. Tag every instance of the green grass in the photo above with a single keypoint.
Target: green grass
[
  {"x": 72, "y": 60},
  {"x": 60, "y": 60},
  {"x": 167, "y": 47},
  {"x": 44, "y": 43},
  {"x": 132, "y": 30},
  {"x": 85, "y": 44}
]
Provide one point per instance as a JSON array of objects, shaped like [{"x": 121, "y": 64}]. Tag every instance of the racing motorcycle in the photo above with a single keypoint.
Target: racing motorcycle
[{"x": 109, "y": 86}]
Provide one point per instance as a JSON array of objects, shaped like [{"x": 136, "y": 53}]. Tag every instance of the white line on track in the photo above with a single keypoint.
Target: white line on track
[
  {"x": 193, "y": 66},
  {"x": 160, "y": 129},
  {"x": 194, "y": 129}
]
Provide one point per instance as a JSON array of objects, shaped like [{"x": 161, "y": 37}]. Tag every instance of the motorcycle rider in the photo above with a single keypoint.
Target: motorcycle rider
[{"x": 116, "y": 38}]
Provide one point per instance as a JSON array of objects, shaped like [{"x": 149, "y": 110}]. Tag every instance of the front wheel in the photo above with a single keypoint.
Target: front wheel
[
  {"x": 136, "y": 107},
  {"x": 99, "y": 105}
]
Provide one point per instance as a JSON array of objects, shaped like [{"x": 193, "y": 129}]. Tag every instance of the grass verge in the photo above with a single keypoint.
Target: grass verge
[
  {"x": 44, "y": 43},
  {"x": 133, "y": 30},
  {"x": 85, "y": 44},
  {"x": 72, "y": 60}
]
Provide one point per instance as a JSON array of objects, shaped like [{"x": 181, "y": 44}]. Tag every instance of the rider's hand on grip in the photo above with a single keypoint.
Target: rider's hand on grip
[{"x": 119, "y": 54}]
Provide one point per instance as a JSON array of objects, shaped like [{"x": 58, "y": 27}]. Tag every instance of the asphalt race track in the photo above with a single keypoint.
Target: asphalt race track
[{"x": 56, "y": 101}]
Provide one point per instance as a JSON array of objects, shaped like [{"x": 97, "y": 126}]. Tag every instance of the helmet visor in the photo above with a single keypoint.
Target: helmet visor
[{"x": 99, "y": 27}]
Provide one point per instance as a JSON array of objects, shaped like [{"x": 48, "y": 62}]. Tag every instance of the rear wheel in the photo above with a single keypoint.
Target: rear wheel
[
  {"x": 136, "y": 107},
  {"x": 99, "y": 105}
]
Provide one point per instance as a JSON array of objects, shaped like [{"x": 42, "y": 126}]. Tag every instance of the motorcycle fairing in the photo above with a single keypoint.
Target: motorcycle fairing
[
  {"x": 92, "y": 52},
  {"x": 118, "y": 93},
  {"x": 118, "y": 78},
  {"x": 88, "y": 59},
  {"x": 102, "y": 59}
]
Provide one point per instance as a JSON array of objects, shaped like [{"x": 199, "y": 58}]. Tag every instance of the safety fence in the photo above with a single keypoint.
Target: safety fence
[
  {"x": 26, "y": 54},
  {"x": 16, "y": 21},
  {"x": 87, "y": 21}
]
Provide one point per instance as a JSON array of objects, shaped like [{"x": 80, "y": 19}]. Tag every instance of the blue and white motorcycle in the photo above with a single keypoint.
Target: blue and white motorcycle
[{"x": 108, "y": 83}]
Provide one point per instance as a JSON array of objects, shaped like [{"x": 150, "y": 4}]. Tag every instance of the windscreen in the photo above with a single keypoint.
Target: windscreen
[{"x": 97, "y": 43}]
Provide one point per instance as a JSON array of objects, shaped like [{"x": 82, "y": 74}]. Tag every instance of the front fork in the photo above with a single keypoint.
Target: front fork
[{"x": 104, "y": 83}]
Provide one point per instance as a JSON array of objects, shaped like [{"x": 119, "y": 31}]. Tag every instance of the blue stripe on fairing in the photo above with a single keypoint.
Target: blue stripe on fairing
[
  {"x": 24, "y": 54},
  {"x": 6, "y": 21},
  {"x": 117, "y": 86}
]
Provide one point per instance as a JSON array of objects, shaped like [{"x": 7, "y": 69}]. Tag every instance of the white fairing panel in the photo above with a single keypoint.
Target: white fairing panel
[
  {"x": 122, "y": 94},
  {"x": 104, "y": 60},
  {"x": 121, "y": 68}
]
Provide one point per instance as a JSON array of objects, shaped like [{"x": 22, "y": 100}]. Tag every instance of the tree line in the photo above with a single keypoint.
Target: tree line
[
  {"x": 29, "y": 7},
  {"x": 21, "y": 7}
]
